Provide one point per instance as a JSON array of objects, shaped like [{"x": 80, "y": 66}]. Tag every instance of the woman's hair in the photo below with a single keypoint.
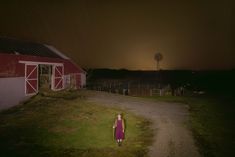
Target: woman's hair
[{"x": 119, "y": 114}]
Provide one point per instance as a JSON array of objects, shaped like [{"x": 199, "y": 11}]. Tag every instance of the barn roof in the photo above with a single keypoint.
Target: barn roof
[{"x": 14, "y": 46}]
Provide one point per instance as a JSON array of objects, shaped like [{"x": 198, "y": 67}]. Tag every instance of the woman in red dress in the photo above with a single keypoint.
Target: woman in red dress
[{"x": 119, "y": 127}]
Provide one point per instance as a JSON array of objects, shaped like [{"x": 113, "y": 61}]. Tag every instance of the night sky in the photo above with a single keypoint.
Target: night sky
[{"x": 191, "y": 34}]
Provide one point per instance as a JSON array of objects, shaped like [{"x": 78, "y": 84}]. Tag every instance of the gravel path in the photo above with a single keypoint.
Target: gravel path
[{"x": 172, "y": 137}]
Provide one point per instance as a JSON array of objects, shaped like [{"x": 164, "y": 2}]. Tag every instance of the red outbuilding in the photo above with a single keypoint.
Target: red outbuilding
[{"x": 27, "y": 67}]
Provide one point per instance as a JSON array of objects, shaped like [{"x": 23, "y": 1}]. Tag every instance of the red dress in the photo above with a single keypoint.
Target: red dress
[{"x": 119, "y": 134}]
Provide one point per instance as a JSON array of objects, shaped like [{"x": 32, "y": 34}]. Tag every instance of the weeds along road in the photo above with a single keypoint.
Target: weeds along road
[{"x": 172, "y": 137}]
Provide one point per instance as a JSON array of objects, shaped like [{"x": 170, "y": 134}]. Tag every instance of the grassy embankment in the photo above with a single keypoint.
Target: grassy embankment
[
  {"x": 65, "y": 124},
  {"x": 212, "y": 121}
]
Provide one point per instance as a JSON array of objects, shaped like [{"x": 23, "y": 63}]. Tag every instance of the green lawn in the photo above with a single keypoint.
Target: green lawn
[
  {"x": 212, "y": 120},
  {"x": 65, "y": 124}
]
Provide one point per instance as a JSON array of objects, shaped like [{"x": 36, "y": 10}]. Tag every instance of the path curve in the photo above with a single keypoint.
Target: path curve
[{"x": 172, "y": 137}]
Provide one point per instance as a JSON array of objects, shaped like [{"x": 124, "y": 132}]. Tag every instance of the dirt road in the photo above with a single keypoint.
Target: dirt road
[{"x": 172, "y": 137}]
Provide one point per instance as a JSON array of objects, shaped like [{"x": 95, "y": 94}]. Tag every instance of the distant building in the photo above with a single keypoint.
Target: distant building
[{"x": 27, "y": 67}]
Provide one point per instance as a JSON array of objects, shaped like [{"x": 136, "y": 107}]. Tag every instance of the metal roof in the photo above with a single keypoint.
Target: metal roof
[{"x": 14, "y": 46}]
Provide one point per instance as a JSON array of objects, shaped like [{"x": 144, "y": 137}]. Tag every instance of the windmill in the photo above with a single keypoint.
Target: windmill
[{"x": 158, "y": 57}]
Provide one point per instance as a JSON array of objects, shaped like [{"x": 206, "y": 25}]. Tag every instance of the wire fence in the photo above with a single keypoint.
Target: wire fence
[{"x": 134, "y": 88}]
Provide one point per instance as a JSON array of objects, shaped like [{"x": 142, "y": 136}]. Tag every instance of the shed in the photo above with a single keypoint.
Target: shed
[{"x": 26, "y": 67}]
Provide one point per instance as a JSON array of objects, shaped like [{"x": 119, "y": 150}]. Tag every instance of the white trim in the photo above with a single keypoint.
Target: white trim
[
  {"x": 25, "y": 85},
  {"x": 59, "y": 71},
  {"x": 31, "y": 72},
  {"x": 59, "y": 83},
  {"x": 61, "y": 77},
  {"x": 28, "y": 83},
  {"x": 36, "y": 63},
  {"x": 31, "y": 85},
  {"x": 52, "y": 48}
]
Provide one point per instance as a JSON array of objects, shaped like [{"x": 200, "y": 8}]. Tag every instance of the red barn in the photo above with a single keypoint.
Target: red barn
[{"x": 27, "y": 67}]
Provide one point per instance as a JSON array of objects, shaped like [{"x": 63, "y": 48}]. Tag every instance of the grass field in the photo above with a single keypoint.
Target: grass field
[
  {"x": 65, "y": 124},
  {"x": 212, "y": 121}
]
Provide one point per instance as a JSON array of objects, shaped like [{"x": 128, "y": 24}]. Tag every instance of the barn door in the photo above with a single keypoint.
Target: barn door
[
  {"x": 57, "y": 77},
  {"x": 31, "y": 79}
]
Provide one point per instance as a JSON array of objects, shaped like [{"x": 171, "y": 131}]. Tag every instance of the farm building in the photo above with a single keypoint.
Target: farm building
[{"x": 27, "y": 67}]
